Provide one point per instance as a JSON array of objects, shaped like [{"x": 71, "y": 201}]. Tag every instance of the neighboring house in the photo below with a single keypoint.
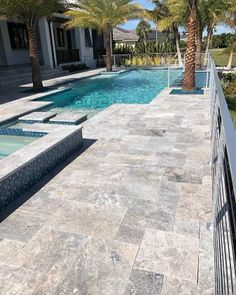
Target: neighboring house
[
  {"x": 124, "y": 37},
  {"x": 57, "y": 45},
  {"x": 129, "y": 37}
]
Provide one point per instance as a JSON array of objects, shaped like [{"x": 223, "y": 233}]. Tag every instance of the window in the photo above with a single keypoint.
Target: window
[
  {"x": 18, "y": 35},
  {"x": 60, "y": 38},
  {"x": 88, "y": 41}
]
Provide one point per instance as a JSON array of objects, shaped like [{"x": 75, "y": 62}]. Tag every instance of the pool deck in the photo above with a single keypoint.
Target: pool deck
[{"x": 130, "y": 216}]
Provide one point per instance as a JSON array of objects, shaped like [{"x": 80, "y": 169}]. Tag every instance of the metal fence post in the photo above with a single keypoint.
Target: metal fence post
[
  {"x": 168, "y": 77},
  {"x": 114, "y": 56}
]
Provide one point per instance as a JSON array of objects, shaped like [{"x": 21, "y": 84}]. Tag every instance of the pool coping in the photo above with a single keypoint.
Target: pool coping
[
  {"x": 28, "y": 104},
  {"x": 54, "y": 135},
  {"x": 20, "y": 170},
  {"x": 14, "y": 109}
]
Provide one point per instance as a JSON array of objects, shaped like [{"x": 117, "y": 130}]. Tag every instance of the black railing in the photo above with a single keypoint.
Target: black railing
[
  {"x": 224, "y": 188},
  {"x": 67, "y": 56}
]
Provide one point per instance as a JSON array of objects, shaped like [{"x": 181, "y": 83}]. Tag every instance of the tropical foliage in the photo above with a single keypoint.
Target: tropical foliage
[
  {"x": 103, "y": 15},
  {"x": 167, "y": 19},
  {"x": 29, "y": 11},
  {"x": 229, "y": 86},
  {"x": 142, "y": 30},
  {"x": 153, "y": 47},
  {"x": 201, "y": 15},
  {"x": 222, "y": 41},
  {"x": 230, "y": 20}
]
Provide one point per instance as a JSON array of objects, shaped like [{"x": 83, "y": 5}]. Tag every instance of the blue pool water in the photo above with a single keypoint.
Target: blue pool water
[{"x": 97, "y": 93}]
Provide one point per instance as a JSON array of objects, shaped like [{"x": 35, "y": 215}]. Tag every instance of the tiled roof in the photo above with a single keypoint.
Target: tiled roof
[{"x": 124, "y": 35}]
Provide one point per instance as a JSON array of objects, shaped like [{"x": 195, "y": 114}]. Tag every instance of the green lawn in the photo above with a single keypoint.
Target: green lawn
[{"x": 221, "y": 57}]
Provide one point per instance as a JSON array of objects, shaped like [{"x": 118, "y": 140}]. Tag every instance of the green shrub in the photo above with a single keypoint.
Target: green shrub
[
  {"x": 74, "y": 67},
  {"x": 154, "y": 47}
]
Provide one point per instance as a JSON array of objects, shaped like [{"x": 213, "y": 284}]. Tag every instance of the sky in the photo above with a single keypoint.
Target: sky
[{"x": 148, "y": 4}]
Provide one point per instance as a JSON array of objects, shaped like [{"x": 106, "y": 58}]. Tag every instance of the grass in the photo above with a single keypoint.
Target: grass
[{"x": 221, "y": 57}]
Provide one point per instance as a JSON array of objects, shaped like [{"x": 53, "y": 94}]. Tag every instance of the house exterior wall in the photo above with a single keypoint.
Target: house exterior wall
[
  {"x": 11, "y": 56},
  {"x": 2, "y": 50},
  {"x": 48, "y": 44},
  {"x": 47, "y": 49},
  {"x": 86, "y": 53}
]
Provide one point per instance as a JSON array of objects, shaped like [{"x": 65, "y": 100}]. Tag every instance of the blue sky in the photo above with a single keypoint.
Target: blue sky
[{"x": 148, "y": 4}]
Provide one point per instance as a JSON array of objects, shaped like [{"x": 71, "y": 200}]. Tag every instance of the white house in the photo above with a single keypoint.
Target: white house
[{"x": 57, "y": 45}]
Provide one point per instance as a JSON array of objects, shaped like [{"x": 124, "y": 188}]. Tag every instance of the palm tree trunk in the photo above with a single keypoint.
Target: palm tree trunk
[
  {"x": 189, "y": 74},
  {"x": 229, "y": 66},
  {"x": 199, "y": 48},
  {"x": 209, "y": 37},
  {"x": 145, "y": 42},
  {"x": 176, "y": 35},
  {"x": 108, "y": 50},
  {"x": 34, "y": 59}
]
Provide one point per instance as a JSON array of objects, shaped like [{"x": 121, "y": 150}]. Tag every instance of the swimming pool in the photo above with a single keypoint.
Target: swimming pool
[
  {"x": 15, "y": 139},
  {"x": 97, "y": 93},
  {"x": 10, "y": 144}
]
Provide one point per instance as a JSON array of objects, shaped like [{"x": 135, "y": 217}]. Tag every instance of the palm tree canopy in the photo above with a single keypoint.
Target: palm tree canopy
[
  {"x": 29, "y": 10},
  {"x": 143, "y": 28},
  {"x": 169, "y": 13},
  {"x": 102, "y": 14},
  {"x": 229, "y": 17}
]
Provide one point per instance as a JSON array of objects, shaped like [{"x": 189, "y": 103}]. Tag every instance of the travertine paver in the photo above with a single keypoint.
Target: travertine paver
[
  {"x": 38, "y": 117},
  {"x": 130, "y": 215},
  {"x": 69, "y": 118}
]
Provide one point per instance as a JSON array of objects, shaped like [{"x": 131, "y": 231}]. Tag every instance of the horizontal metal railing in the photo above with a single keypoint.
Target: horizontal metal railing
[
  {"x": 223, "y": 188},
  {"x": 153, "y": 59},
  {"x": 131, "y": 59}
]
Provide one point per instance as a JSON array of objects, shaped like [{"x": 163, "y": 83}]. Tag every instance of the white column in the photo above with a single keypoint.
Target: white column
[
  {"x": 82, "y": 45},
  {"x": 77, "y": 38},
  {"x": 3, "y": 60},
  {"x": 86, "y": 53},
  {"x": 6, "y": 43},
  {"x": 53, "y": 43},
  {"x": 46, "y": 45}
]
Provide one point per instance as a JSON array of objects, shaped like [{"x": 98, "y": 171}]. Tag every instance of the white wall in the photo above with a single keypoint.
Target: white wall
[
  {"x": 9, "y": 56},
  {"x": 45, "y": 41},
  {"x": 86, "y": 53},
  {"x": 2, "y": 51},
  {"x": 12, "y": 56}
]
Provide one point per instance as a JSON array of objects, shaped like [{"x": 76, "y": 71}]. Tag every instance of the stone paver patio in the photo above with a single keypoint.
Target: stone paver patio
[{"x": 130, "y": 216}]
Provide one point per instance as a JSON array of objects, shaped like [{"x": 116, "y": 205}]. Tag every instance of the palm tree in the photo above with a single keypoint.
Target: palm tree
[
  {"x": 167, "y": 19},
  {"x": 103, "y": 15},
  {"x": 202, "y": 19},
  {"x": 177, "y": 14},
  {"x": 190, "y": 59},
  {"x": 29, "y": 11},
  {"x": 142, "y": 30},
  {"x": 214, "y": 12},
  {"x": 230, "y": 20}
]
